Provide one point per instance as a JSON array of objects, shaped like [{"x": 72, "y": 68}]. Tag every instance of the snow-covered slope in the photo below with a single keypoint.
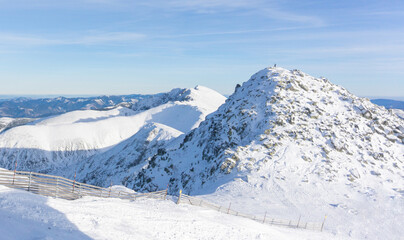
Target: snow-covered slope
[
  {"x": 27, "y": 216},
  {"x": 398, "y": 112},
  {"x": 60, "y": 141},
  {"x": 294, "y": 144},
  {"x": 7, "y": 123}
]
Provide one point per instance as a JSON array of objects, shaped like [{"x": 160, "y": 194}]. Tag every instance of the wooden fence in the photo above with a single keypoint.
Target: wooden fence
[
  {"x": 60, "y": 187},
  {"x": 263, "y": 219}
]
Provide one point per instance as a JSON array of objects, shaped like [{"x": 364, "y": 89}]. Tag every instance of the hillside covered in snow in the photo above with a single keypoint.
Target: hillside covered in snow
[
  {"x": 58, "y": 144},
  {"x": 294, "y": 145}
]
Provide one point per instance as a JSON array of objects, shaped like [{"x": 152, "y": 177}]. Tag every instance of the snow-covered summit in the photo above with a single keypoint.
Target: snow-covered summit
[
  {"x": 277, "y": 105},
  {"x": 296, "y": 142},
  {"x": 203, "y": 95}
]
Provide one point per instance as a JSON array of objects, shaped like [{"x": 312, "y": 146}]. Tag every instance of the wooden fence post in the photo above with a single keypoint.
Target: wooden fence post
[
  {"x": 29, "y": 181},
  {"x": 298, "y": 221},
  {"x": 322, "y": 225},
  {"x": 179, "y": 197},
  {"x": 15, "y": 169},
  {"x": 74, "y": 181},
  {"x": 56, "y": 187},
  {"x": 264, "y": 217},
  {"x": 79, "y": 189},
  {"x": 228, "y": 210},
  {"x": 110, "y": 187},
  {"x": 165, "y": 196}
]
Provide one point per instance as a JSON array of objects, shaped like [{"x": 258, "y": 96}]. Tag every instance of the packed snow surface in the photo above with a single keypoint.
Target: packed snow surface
[{"x": 27, "y": 216}]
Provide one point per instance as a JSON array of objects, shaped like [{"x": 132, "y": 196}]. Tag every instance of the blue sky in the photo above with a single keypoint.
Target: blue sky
[{"x": 122, "y": 47}]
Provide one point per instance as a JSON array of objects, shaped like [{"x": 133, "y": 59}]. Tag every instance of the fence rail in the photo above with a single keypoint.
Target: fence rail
[
  {"x": 60, "y": 187},
  {"x": 183, "y": 198}
]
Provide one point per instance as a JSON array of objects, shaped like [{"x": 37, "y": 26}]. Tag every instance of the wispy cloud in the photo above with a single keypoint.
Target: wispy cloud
[
  {"x": 236, "y": 32},
  {"x": 269, "y": 9},
  {"x": 214, "y": 4},
  {"x": 110, "y": 37},
  {"x": 87, "y": 39},
  {"x": 293, "y": 17}
]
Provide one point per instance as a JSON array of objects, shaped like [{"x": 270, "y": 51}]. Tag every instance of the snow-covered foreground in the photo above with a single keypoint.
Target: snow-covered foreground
[{"x": 24, "y": 215}]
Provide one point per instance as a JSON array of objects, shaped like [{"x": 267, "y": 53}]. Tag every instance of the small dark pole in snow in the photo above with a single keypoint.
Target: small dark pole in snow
[
  {"x": 15, "y": 169},
  {"x": 110, "y": 187},
  {"x": 322, "y": 225},
  {"x": 74, "y": 181},
  {"x": 298, "y": 221},
  {"x": 265, "y": 217},
  {"x": 228, "y": 210},
  {"x": 29, "y": 181},
  {"x": 56, "y": 187},
  {"x": 165, "y": 196}
]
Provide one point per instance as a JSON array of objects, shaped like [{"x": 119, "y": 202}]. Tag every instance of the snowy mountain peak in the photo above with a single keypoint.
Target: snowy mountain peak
[
  {"x": 199, "y": 94},
  {"x": 285, "y": 139},
  {"x": 287, "y": 128}
]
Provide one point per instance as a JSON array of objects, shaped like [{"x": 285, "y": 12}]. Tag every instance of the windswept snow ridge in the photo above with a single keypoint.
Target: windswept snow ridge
[{"x": 62, "y": 141}]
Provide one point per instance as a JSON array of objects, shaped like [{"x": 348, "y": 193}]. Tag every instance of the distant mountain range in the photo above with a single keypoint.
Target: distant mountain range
[
  {"x": 388, "y": 103},
  {"x": 36, "y": 108},
  {"x": 27, "y": 107}
]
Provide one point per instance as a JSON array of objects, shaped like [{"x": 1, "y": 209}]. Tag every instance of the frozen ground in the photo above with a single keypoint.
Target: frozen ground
[{"x": 27, "y": 216}]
